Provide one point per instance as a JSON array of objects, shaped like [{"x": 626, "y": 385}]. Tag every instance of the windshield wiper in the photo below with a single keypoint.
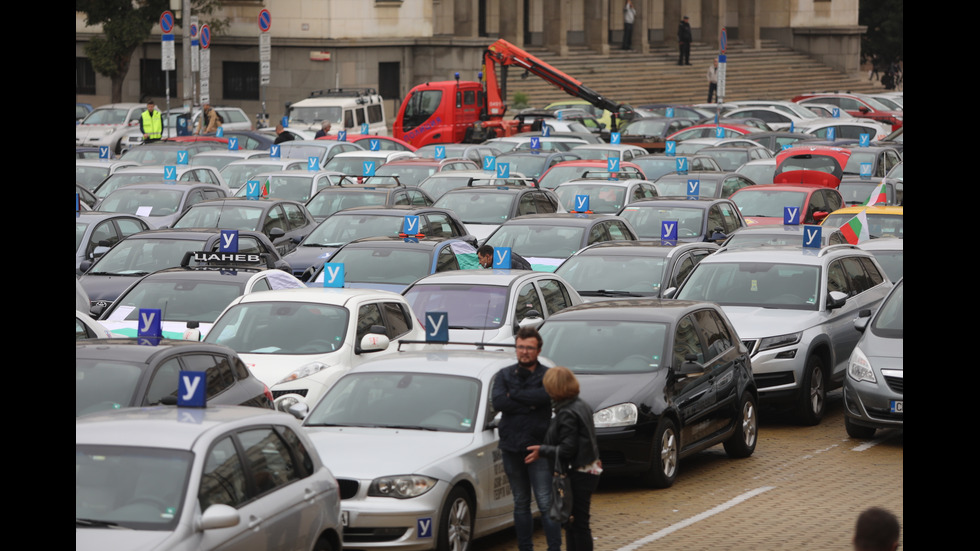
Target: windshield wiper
[
  {"x": 605, "y": 293},
  {"x": 92, "y": 523}
]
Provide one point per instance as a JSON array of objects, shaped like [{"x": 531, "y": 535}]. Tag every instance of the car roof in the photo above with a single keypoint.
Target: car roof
[
  {"x": 326, "y": 295},
  {"x": 634, "y": 310},
  {"x": 131, "y": 350},
  {"x": 784, "y": 254},
  {"x": 559, "y": 219},
  {"x": 167, "y": 426},
  {"x": 883, "y": 244},
  {"x": 435, "y": 359},
  {"x": 871, "y": 210},
  {"x": 648, "y": 248}
]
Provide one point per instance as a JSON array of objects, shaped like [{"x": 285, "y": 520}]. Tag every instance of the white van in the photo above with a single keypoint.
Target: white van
[{"x": 346, "y": 109}]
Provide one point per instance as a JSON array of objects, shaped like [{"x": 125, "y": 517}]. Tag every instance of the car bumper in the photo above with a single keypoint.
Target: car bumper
[
  {"x": 406, "y": 524},
  {"x": 777, "y": 371},
  {"x": 878, "y": 405},
  {"x": 626, "y": 450}
]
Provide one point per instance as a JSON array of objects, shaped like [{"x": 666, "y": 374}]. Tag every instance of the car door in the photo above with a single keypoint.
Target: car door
[
  {"x": 692, "y": 394},
  {"x": 494, "y": 494},
  {"x": 723, "y": 361}
]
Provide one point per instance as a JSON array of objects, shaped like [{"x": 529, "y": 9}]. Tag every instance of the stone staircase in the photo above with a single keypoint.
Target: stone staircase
[{"x": 772, "y": 72}]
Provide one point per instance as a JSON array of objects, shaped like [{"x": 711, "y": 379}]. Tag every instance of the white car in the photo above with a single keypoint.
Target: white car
[
  {"x": 300, "y": 341},
  {"x": 199, "y": 479},
  {"x": 116, "y": 125},
  {"x": 88, "y": 328},
  {"x": 411, "y": 440}
]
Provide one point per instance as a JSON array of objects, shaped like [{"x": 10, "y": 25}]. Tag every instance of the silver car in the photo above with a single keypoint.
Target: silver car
[
  {"x": 794, "y": 309},
  {"x": 225, "y": 477},
  {"x": 412, "y": 442},
  {"x": 874, "y": 389}
]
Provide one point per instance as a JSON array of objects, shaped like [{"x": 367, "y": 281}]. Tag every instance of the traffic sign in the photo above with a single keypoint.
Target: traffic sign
[
  {"x": 265, "y": 20},
  {"x": 723, "y": 41},
  {"x": 205, "y": 36},
  {"x": 167, "y": 22}
]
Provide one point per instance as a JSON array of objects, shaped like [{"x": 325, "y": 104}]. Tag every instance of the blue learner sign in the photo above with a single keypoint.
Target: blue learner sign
[
  {"x": 229, "y": 241},
  {"x": 436, "y": 327},
  {"x": 812, "y": 237},
  {"x": 333, "y": 274},
  {"x": 791, "y": 216},
  {"x": 501, "y": 258},
  {"x": 191, "y": 389}
]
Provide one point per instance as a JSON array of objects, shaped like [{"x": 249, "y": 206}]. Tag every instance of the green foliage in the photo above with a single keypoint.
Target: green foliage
[
  {"x": 884, "y": 41},
  {"x": 520, "y": 100}
]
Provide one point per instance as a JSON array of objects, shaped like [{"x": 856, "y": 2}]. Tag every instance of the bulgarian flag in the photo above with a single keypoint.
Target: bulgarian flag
[
  {"x": 265, "y": 188},
  {"x": 856, "y": 229},
  {"x": 877, "y": 196}
]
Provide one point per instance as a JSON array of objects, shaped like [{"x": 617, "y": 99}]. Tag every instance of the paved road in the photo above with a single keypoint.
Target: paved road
[{"x": 802, "y": 489}]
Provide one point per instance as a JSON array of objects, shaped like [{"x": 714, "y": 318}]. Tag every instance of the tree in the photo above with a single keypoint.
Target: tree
[
  {"x": 884, "y": 42},
  {"x": 126, "y": 24}
]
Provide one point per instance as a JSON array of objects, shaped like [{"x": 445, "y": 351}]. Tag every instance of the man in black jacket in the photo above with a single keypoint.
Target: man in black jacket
[
  {"x": 684, "y": 39},
  {"x": 518, "y": 393}
]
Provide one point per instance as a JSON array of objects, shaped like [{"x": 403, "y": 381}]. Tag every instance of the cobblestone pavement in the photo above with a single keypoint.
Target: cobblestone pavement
[{"x": 802, "y": 489}]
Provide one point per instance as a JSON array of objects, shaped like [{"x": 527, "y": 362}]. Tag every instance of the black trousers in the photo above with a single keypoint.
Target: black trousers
[
  {"x": 712, "y": 90},
  {"x": 578, "y": 532},
  {"x": 627, "y": 36},
  {"x": 685, "y": 54}
]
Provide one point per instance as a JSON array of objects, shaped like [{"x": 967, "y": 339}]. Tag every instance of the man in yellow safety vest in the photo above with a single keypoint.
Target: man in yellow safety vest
[{"x": 151, "y": 123}]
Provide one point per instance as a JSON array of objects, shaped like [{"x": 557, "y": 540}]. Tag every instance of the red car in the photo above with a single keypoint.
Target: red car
[
  {"x": 765, "y": 205},
  {"x": 821, "y": 166},
  {"x": 387, "y": 143},
  {"x": 573, "y": 170},
  {"x": 857, "y": 106}
]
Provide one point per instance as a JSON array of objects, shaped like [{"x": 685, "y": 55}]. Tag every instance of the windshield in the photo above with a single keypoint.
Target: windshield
[
  {"x": 311, "y": 114},
  {"x": 530, "y": 166},
  {"x": 382, "y": 265},
  {"x": 768, "y": 285},
  {"x": 879, "y": 225},
  {"x": 281, "y": 328},
  {"x": 419, "y": 107},
  {"x": 596, "y": 154},
  {"x": 132, "y": 487},
  {"x": 603, "y": 199},
  {"x": 539, "y": 240},
  {"x": 90, "y": 176},
  {"x": 858, "y": 158},
  {"x": 345, "y": 228},
  {"x": 646, "y": 128},
  {"x": 101, "y": 385},
  {"x": 107, "y": 116},
  {"x": 858, "y": 193},
  {"x": 647, "y": 220},
  {"x": 768, "y": 203},
  {"x": 407, "y": 175},
  {"x": 606, "y": 347},
  {"x": 656, "y": 167},
  {"x": 232, "y": 217},
  {"x": 142, "y": 256},
  {"x": 122, "y": 179},
  {"x": 294, "y": 188},
  {"x": 728, "y": 160},
  {"x": 161, "y": 202},
  {"x": 303, "y": 151},
  {"x": 330, "y": 201},
  {"x": 890, "y": 320},
  {"x": 419, "y": 401},
  {"x": 236, "y": 175},
  {"x": 479, "y": 207},
  {"x": 467, "y": 306},
  {"x": 151, "y": 155},
  {"x": 559, "y": 174},
  {"x": 436, "y": 187},
  {"x": 349, "y": 164},
  {"x": 182, "y": 300},
  {"x": 640, "y": 275},
  {"x": 760, "y": 173},
  {"x": 218, "y": 162}
]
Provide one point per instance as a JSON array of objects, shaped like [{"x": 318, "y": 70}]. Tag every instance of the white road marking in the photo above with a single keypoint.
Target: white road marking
[{"x": 687, "y": 522}]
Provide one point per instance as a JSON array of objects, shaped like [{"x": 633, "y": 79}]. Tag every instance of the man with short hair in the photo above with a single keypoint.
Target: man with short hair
[
  {"x": 151, "y": 123},
  {"x": 282, "y": 135},
  {"x": 323, "y": 131},
  {"x": 684, "y": 39},
  {"x": 485, "y": 255},
  {"x": 518, "y": 393},
  {"x": 877, "y": 530}
]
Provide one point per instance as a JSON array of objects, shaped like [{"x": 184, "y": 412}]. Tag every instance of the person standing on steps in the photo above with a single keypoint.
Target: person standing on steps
[
  {"x": 684, "y": 39},
  {"x": 629, "y": 15}
]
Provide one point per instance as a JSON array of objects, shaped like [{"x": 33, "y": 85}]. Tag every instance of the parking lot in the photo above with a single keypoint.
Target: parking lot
[{"x": 803, "y": 488}]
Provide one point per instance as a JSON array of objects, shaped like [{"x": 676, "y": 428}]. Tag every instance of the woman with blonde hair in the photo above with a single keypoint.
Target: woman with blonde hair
[{"x": 571, "y": 437}]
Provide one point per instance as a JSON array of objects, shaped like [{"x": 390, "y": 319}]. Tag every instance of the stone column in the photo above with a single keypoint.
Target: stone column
[
  {"x": 712, "y": 20},
  {"x": 556, "y": 23},
  {"x": 512, "y": 22},
  {"x": 466, "y": 16},
  {"x": 597, "y": 25},
  {"x": 748, "y": 23}
]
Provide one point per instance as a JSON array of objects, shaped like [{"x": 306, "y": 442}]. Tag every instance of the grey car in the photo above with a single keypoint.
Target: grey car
[
  {"x": 873, "y": 389},
  {"x": 793, "y": 309},
  {"x": 222, "y": 477}
]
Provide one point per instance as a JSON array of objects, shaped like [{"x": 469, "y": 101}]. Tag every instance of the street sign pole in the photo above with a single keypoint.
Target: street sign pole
[
  {"x": 205, "y": 64},
  {"x": 265, "y": 61},
  {"x": 168, "y": 61}
]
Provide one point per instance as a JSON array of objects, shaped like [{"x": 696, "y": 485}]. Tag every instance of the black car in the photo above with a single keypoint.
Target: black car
[
  {"x": 700, "y": 219},
  {"x": 666, "y": 379},
  {"x": 284, "y": 222},
  {"x": 619, "y": 269},
  {"x": 119, "y": 373},
  {"x": 146, "y": 252},
  {"x": 359, "y": 222}
]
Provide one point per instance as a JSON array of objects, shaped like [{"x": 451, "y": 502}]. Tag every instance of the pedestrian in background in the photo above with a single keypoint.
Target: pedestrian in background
[
  {"x": 629, "y": 15},
  {"x": 210, "y": 120},
  {"x": 571, "y": 437},
  {"x": 877, "y": 530},
  {"x": 684, "y": 39},
  {"x": 519, "y": 394},
  {"x": 151, "y": 123},
  {"x": 713, "y": 80},
  {"x": 323, "y": 131}
]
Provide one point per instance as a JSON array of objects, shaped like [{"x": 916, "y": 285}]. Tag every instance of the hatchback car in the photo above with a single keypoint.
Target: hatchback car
[
  {"x": 182, "y": 479},
  {"x": 490, "y": 305},
  {"x": 332, "y": 199},
  {"x": 765, "y": 205},
  {"x": 710, "y": 184},
  {"x": 666, "y": 379},
  {"x": 120, "y": 373},
  {"x": 159, "y": 204},
  {"x": 882, "y": 221},
  {"x": 793, "y": 310},
  {"x": 605, "y": 196},
  {"x": 284, "y": 222},
  {"x": 699, "y": 219},
  {"x": 420, "y": 468},
  {"x": 874, "y": 389},
  {"x": 484, "y": 208},
  {"x": 96, "y": 232},
  {"x": 300, "y": 341}
]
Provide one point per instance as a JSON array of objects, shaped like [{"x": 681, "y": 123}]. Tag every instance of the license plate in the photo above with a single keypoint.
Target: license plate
[
  {"x": 897, "y": 406},
  {"x": 344, "y": 518}
]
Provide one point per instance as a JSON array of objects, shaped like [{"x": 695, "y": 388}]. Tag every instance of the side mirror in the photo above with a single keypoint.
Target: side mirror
[
  {"x": 531, "y": 319},
  {"x": 276, "y": 233},
  {"x": 375, "y": 341},
  {"x": 861, "y": 322},
  {"x": 836, "y": 299},
  {"x": 217, "y": 516}
]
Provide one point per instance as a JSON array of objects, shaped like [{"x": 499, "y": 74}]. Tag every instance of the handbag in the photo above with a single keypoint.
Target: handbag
[{"x": 561, "y": 494}]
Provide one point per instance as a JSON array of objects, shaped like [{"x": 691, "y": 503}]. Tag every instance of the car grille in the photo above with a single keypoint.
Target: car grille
[
  {"x": 278, "y": 393},
  {"x": 348, "y": 487},
  {"x": 896, "y": 384},
  {"x": 766, "y": 380},
  {"x": 371, "y": 535},
  {"x": 885, "y": 415}
]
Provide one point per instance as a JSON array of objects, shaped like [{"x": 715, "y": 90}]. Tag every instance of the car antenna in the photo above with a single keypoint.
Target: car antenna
[{"x": 483, "y": 338}]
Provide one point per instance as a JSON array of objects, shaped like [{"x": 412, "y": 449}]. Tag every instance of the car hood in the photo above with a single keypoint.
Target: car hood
[
  {"x": 272, "y": 368},
  {"x": 303, "y": 257},
  {"x": 368, "y": 451},
  {"x": 753, "y": 322},
  {"x": 85, "y": 131},
  {"x": 481, "y": 231},
  {"x": 882, "y": 352},
  {"x": 97, "y": 539},
  {"x": 602, "y": 391}
]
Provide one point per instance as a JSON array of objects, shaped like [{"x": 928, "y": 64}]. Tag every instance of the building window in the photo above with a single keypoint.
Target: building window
[
  {"x": 84, "y": 76},
  {"x": 389, "y": 81},
  {"x": 240, "y": 79},
  {"x": 152, "y": 84}
]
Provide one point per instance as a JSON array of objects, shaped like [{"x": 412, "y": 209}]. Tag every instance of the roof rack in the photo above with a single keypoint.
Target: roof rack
[
  {"x": 360, "y": 93},
  {"x": 476, "y": 345}
]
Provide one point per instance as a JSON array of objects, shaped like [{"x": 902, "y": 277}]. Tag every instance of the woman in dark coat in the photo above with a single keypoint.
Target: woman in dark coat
[{"x": 571, "y": 436}]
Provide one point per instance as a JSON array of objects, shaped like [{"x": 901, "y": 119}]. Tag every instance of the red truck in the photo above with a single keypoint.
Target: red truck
[{"x": 454, "y": 111}]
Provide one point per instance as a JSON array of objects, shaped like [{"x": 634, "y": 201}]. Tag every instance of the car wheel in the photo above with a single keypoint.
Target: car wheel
[
  {"x": 456, "y": 522},
  {"x": 323, "y": 544},
  {"x": 663, "y": 468},
  {"x": 742, "y": 441},
  {"x": 813, "y": 392},
  {"x": 858, "y": 431}
]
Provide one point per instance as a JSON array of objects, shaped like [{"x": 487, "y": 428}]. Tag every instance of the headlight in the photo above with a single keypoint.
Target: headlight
[
  {"x": 779, "y": 341},
  {"x": 401, "y": 486},
  {"x": 615, "y": 416},
  {"x": 859, "y": 368},
  {"x": 304, "y": 371}
]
